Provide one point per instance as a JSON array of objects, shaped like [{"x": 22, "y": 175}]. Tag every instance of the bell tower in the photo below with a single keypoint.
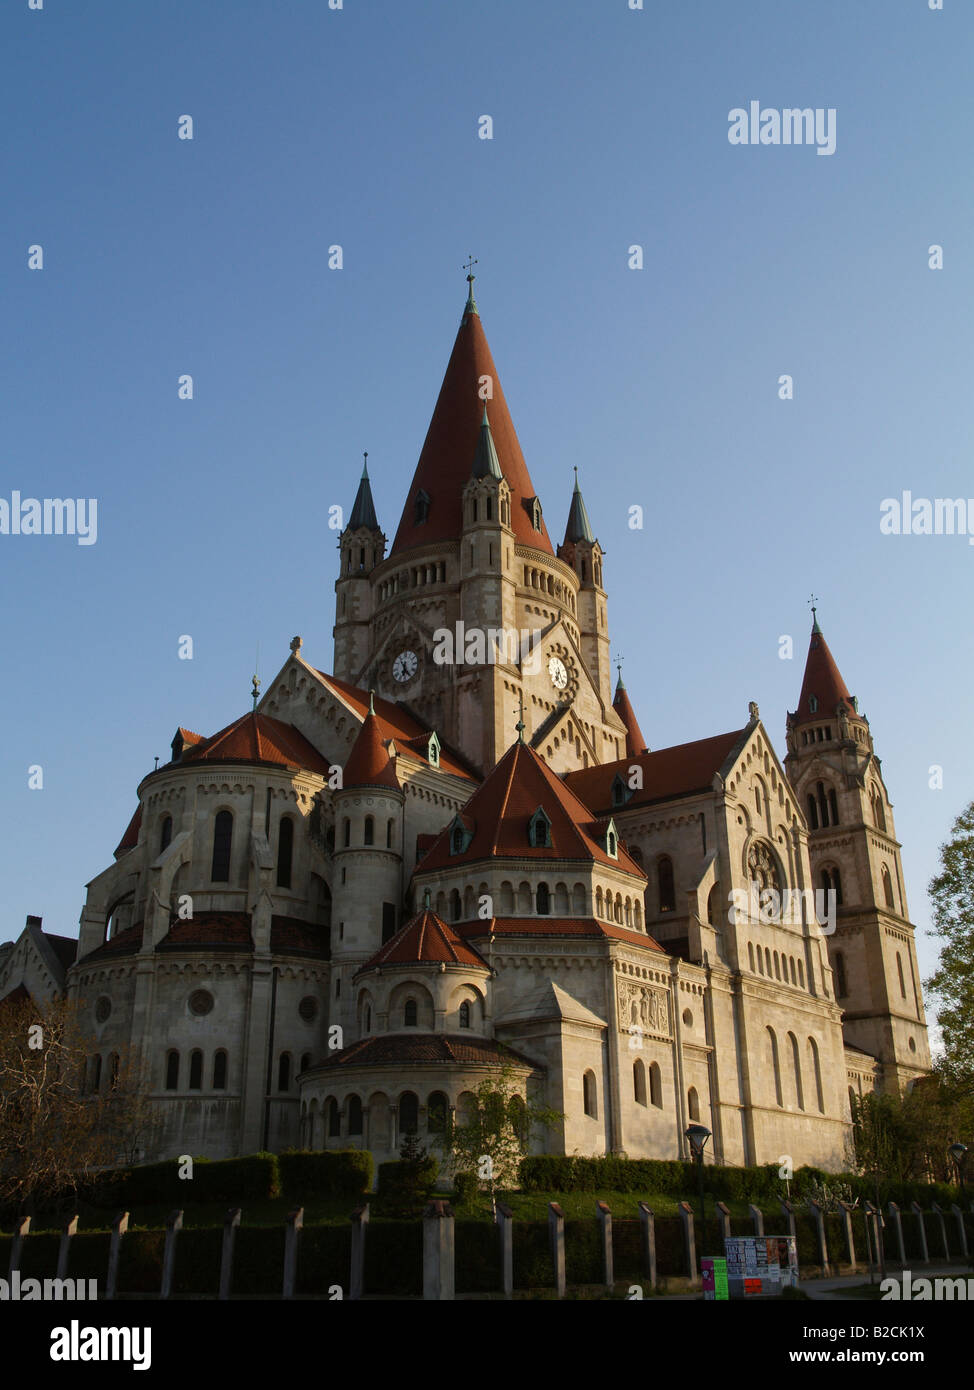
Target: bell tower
[
  {"x": 362, "y": 547},
  {"x": 855, "y": 857}
]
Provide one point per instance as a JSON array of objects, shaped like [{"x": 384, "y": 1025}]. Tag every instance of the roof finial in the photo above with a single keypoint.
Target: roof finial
[
  {"x": 256, "y": 691},
  {"x": 520, "y": 725},
  {"x": 471, "y": 304},
  {"x": 426, "y": 898},
  {"x": 365, "y": 463},
  {"x": 371, "y": 702},
  {"x": 813, "y": 600},
  {"x": 619, "y": 661},
  {"x": 576, "y": 476}
]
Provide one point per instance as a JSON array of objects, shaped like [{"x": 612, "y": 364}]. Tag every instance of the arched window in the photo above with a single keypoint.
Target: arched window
[
  {"x": 777, "y": 966},
  {"x": 166, "y": 834},
  {"x": 222, "y": 839},
  {"x": 410, "y": 1014},
  {"x": 598, "y": 902},
  {"x": 693, "y": 1103},
  {"x": 114, "y": 1062},
  {"x": 96, "y": 1073},
  {"x": 196, "y": 1070},
  {"x": 664, "y": 878},
  {"x": 899, "y": 971},
  {"x": 655, "y": 1085},
  {"x": 354, "y": 1108},
  {"x": 750, "y": 957},
  {"x": 458, "y": 838},
  {"x": 284, "y": 1072},
  {"x": 220, "y": 1070},
  {"x": 833, "y": 806},
  {"x": 639, "y": 1081},
  {"x": 437, "y": 1109},
  {"x": 369, "y": 831},
  {"x": 832, "y": 883},
  {"x": 346, "y": 832},
  {"x": 801, "y": 975},
  {"x": 172, "y": 1071},
  {"x": 334, "y": 1119},
  {"x": 775, "y": 1066},
  {"x": 464, "y": 1014},
  {"x": 812, "y": 813},
  {"x": 285, "y": 848},
  {"x": 888, "y": 888},
  {"x": 817, "y": 1073},
  {"x": 456, "y": 906},
  {"x": 823, "y": 805},
  {"x": 841, "y": 987},
  {"x": 879, "y": 813},
  {"x": 389, "y": 825},
  {"x": 542, "y": 900},
  {"x": 588, "y": 1095},
  {"x": 797, "y": 1066},
  {"x": 368, "y": 1018},
  {"x": 305, "y": 1062},
  {"x": 713, "y": 908},
  {"x": 408, "y": 1113}
]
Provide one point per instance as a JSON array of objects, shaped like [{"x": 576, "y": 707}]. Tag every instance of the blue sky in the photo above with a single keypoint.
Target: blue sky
[{"x": 359, "y": 127}]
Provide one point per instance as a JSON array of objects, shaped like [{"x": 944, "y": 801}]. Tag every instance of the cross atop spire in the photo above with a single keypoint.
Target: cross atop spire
[
  {"x": 619, "y": 661},
  {"x": 812, "y": 601},
  {"x": 471, "y": 305},
  {"x": 520, "y": 726}
]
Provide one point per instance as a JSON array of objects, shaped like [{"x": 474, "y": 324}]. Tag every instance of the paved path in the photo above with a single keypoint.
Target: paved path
[{"x": 832, "y": 1288}]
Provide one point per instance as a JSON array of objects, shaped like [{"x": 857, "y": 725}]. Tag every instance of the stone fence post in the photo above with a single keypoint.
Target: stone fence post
[
  {"x": 818, "y": 1216},
  {"x": 961, "y": 1233},
  {"x": 174, "y": 1224},
  {"x": 850, "y": 1243},
  {"x": 605, "y": 1234},
  {"x": 647, "y": 1220},
  {"x": 68, "y": 1230},
  {"x": 723, "y": 1220},
  {"x": 505, "y": 1228},
  {"x": 943, "y": 1228},
  {"x": 757, "y": 1219},
  {"x": 556, "y": 1231},
  {"x": 438, "y": 1251},
  {"x": 689, "y": 1243},
  {"x": 917, "y": 1211},
  {"x": 788, "y": 1211},
  {"x": 230, "y": 1223},
  {"x": 360, "y": 1226},
  {"x": 897, "y": 1220},
  {"x": 293, "y": 1223},
  {"x": 21, "y": 1230},
  {"x": 119, "y": 1226}
]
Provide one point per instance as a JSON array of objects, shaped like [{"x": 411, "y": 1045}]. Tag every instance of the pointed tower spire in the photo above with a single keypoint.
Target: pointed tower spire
[
  {"x": 635, "y": 743},
  {"x": 363, "y": 511},
  {"x": 368, "y": 763},
  {"x": 485, "y": 461},
  {"x": 579, "y": 527},
  {"x": 823, "y": 689}
]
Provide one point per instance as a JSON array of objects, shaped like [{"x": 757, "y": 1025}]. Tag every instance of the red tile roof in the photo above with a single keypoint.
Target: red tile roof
[
  {"x": 124, "y": 943},
  {"x": 500, "y": 809},
  {"x": 425, "y": 938},
  {"x": 424, "y": 1049},
  {"x": 257, "y": 738},
  {"x": 823, "y": 680},
  {"x": 294, "y": 936},
  {"x": 667, "y": 773},
  {"x": 221, "y": 930},
  {"x": 635, "y": 743},
  {"x": 369, "y": 764},
  {"x": 395, "y": 722},
  {"x": 556, "y": 926},
  {"x": 447, "y": 456},
  {"x": 131, "y": 837}
]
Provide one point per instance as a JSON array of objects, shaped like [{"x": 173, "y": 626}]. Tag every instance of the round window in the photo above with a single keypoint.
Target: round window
[
  {"x": 200, "y": 1002},
  {"x": 103, "y": 1008},
  {"x": 308, "y": 1008},
  {"x": 688, "y": 1018}
]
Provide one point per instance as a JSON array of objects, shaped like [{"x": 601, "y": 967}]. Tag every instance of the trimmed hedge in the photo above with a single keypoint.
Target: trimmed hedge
[
  {"x": 253, "y": 1178},
  {"x": 551, "y": 1173},
  {"x": 336, "y": 1172}
]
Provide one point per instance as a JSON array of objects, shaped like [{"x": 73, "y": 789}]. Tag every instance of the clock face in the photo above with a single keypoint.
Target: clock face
[
  {"x": 557, "y": 672},
  {"x": 405, "y": 665}
]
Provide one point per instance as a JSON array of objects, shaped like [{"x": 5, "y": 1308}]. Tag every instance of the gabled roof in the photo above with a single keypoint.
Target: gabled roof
[
  {"x": 500, "y": 809},
  {"x": 369, "y": 764},
  {"x": 557, "y": 926},
  {"x": 450, "y": 448},
  {"x": 396, "y": 723},
  {"x": 549, "y": 1001},
  {"x": 257, "y": 738},
  {"x": 635, "y": 743},
  {"x": 682, "y": 770},
  {"x": 426, "y": 939},
  {"x": 823, "y": 680},
  {"x": 395, "y": 1049}
]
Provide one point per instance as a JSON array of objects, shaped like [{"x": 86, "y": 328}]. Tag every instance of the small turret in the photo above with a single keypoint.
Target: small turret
[{"x": 362, "y": 546}]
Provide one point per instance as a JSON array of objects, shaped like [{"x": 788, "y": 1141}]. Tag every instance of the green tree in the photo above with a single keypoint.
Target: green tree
[
  {"x": 952, "y": 899},
  {"x": 487, "y": 1145}
]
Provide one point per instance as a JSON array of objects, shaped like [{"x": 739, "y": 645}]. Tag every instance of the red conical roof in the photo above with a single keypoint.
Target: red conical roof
[
  {"x": 428, "y": 940},
  {"x": 257, "y": 738},
  {"x": 823, "y": 680},
  {"x": 447, "y": 456},
  {"x": 635, "y": 743},
  {"x": 369, "y": 764}
]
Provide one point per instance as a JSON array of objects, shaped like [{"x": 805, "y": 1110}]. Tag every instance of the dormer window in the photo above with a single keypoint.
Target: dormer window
[
  {"x": 433, "y": 751},
  {"x": 539, "y": 830},
  {"x": 457, "y": 842},
  {"x": 612, "y": 840},
  {"x": 620, "y": 792},
  {"x": 534, "y": 510},
  {"x": 177, "y": 746},
  {"x": 460, "y": 836},
  {"x": 422, "y": 507},
  {"x": 813, "y": 704}
]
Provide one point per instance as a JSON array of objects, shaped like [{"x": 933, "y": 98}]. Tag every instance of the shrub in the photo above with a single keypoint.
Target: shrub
[
  {"x": 339, "y": 1172},
  {"x": 403, "y": 1186},
  {"x": 252, "y": 1178}
]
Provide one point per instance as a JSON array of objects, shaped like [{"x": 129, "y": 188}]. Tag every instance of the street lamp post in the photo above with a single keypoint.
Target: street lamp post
[
  {"x": 697, "y": 1136},
  {"x": 958, "y": 1153}
]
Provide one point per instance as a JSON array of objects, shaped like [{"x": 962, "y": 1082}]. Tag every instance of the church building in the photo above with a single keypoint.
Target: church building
[{"x": 455, "y": 854}]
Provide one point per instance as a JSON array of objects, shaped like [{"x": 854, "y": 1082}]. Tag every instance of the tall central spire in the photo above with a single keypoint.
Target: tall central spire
[{"x": 434, "y": 504}]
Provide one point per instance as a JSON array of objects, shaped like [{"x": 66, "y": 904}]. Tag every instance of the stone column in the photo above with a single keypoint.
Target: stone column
[
  {"x": 917, "y": 1211},
  {"x": 723, "y": 1220},
  {"x": 757, "y": 1219},
  {"x": 850, "y": 1243},
  {"x": 119, "y": 1226},
  {"x": 69, "y": 1229},
  {"x": 961, "y": 1233},
  {"x": 818, "y": 1217},
  {"x": 647, "y": 1219},
  {"x": 556, "y": 1230},
  {"x": 605, "y": 1234},
  {"x": 943, "y": 1228},
  {"x": 174, "y": 1224},
  {"x": 505, "y": 1225},
  {"x": 230, "y": 1223},
  {"x": 438, "y": 1252},
  {"x": 21, "y": 1230},
  {"x": 292, "y": 1229},
  {"x": 894, "y": 1214},
  {"x": 360, "y": 1225},
  {"x": 689, "y": 1243},
  {"x": 789, "y": 1214}
]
